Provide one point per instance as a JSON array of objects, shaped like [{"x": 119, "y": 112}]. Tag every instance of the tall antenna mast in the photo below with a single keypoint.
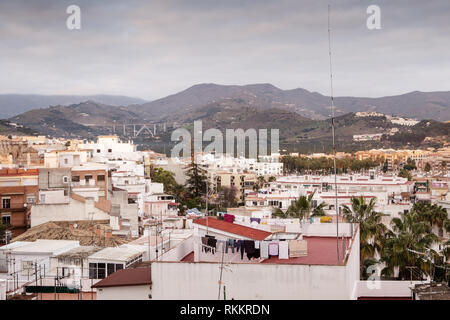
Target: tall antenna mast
[{"x": 334, "y": 142}]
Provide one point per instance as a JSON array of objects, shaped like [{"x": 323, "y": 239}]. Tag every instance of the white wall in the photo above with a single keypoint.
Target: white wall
[
  {"x": 53, "y": 197},
  {"x": 194, "y": 281},
  {"x": 326, "y": 229},
  {"x": 124, "y": 293},
  {"x": 179, "y": 251},
  {"x": 2, "y": 289},
  {"x": 384, "y": 288},
  {"x": 75, "y": 210}
]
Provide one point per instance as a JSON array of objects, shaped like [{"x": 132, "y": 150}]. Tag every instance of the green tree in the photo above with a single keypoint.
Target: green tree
[
  {"x": 304, "y": 208},
  {"x": 427, "y": 167},
  {"x": 405, "y": 174},
  {"x": 372, "y": 230},
  {"x": 227, "y": 197},
  {"x": 433, "y": 214},
  {"x": 260, "y": 183},
  {"x": 277, "y": 212},
  {"x": 385, "y": 166},
  {"x": 3, "y": 228},
  {"x": 408, "y": 236},
  {"x": 167, "y": 178},
  {"x": 410, "y": 165},
  {"x": 196, "y": 182}
]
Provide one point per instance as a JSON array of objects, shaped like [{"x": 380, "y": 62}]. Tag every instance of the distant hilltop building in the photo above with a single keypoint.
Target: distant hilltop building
[
  {"x": 367, "y": 137},
  {"x": 369, "y": 114},
  {"x": 404, "y": 121},
  {"x": 395, "y": 120}
]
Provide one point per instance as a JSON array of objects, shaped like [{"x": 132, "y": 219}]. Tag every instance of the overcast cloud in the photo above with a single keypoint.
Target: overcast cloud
[{"x": 150, "y": 49}]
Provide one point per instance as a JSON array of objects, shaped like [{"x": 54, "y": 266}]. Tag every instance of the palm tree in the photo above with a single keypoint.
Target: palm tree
[
  {"x": 372, "y": 230},
  {"x": 433, "y": 214},
  {"x": 260, "y": 183},
  {"x": 304, "y": 208},
  {"x": 277, "y": 212},
  {"x": 409, "y": 235}
]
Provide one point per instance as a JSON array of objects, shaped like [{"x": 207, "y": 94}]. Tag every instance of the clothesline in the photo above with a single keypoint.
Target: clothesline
[{"x": 255, "y": 249}]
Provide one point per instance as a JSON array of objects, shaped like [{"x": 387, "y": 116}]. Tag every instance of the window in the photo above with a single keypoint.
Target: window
[
  {"x": 6, "y": 203},
  {"x": 109, "y": 150},
  {"x": 101, "y": 271},
  {"x": 111, "y": 268},
  {"x": 98, "y": 150},
  {"x": 27, "y": 268},
  {"x": 101, "y": 177},
  {"x": 75, "y": 178},
  {"x": 42, "y": 198},
  {"x": 87, "y": 178},
  {"x": 65, "y": 179},
  {"x": 31, "y": 199},
  {"x": 66, "y": 161},
  {"x": 6, "y": 218},
  {"x": 92, "y": 271}
]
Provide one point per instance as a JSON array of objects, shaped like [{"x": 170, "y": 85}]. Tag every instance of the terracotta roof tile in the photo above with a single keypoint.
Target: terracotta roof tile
[
  {"x": 126, "y": 277},
  {"x": 233, "y": 228}
]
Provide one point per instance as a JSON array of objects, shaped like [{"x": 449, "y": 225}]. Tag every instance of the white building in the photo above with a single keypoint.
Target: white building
[
  {"x": 26, "y": 259},
  {"x": 111, "y": 148},
  {"x": 78, "y": 208},
  {"x": 109, "y": 260},
  {"x": 127, "y": 284},
  {"x": 318, "y": 275}
]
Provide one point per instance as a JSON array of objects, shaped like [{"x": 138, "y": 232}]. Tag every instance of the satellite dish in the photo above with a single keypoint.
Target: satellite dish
[{"x": 75, "y": 225}]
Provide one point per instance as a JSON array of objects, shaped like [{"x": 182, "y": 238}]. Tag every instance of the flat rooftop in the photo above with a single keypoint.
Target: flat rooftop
[
  {"x": 79, "y": 252},
  {"x": 45, "y": 246},
  {"x": 321, "y": 251},
  {"x": 117, "y": 254}
]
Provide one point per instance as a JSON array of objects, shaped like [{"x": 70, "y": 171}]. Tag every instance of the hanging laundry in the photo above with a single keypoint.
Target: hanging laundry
[
  {"x": 229, "y": 244},
  {"x": 205, "y": 247},
  {"x": 241, "y": 247},
  {"x": 273, "y": 248},
  {"x": 257, "y": 243},
  {"x": 283, "y": 250},
  {"x": 264, "y": 247},
  {"x": 249, "y": 246},
  {"x": 298, "y": 248},
  {"x": 212, "y": 242},
  {"x": 258, "y": 220},
  {"x": 228, "y": 217}
]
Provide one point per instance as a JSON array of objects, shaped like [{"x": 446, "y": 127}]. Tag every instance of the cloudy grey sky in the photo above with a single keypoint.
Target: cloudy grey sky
[{"x": 150, "y": 49}]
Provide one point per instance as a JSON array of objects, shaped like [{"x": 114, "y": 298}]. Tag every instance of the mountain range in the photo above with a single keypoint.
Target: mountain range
[
  {"x": 313, "y": 105},
  {"x": 15, "y": 104},
  {"x": 301, "y": 116}
]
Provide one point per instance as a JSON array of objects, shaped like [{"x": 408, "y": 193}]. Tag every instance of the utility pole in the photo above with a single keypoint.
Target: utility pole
[
  {"x": 221, "y": 271},
  {"x": 334, "y": 142},
  {"x": 207, "y": 225}
]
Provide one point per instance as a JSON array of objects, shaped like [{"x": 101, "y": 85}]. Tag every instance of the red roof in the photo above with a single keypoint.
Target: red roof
[
  {"x": 19, "y": 172},
  {"x": 321, "y": 251},
  {"x": 233, "y": 228},
  {"x": 384, "y": 298},
  {"x": 126, "y": 277}
]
